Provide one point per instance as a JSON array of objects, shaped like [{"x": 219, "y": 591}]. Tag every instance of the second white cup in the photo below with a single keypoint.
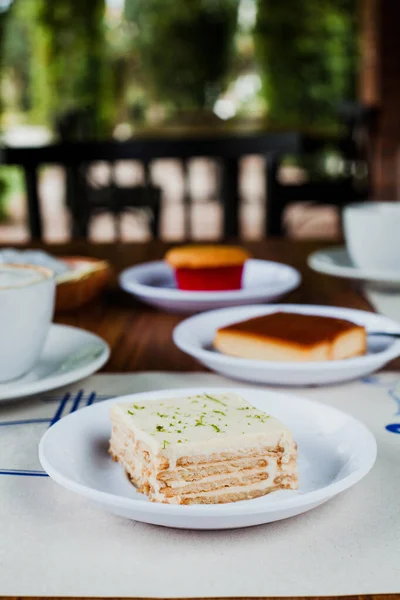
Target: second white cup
[{"x": 372, "y": 234}]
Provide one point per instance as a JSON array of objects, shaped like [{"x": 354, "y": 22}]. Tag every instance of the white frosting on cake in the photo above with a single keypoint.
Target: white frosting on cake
[{"x": 203, "y": 424}]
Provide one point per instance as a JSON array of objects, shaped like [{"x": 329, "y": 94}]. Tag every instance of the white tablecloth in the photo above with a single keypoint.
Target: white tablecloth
[{"x": 53, "y": 542}]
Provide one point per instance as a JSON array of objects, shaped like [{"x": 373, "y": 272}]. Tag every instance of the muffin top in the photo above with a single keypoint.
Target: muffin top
[{"x": 198, "y": 257}]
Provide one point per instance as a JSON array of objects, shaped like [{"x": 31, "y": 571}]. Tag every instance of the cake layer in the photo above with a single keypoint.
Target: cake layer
[
  {"x": 246, "y": 452},
  {"x": 194, "y": 473},
  {"x": 285, "y": 336},
  {"x": 236, "y": 494},
  {"x": 178, "y": 492}
]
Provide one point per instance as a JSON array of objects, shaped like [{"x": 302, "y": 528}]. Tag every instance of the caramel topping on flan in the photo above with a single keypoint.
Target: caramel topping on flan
[{"x": 295, "y": 328}]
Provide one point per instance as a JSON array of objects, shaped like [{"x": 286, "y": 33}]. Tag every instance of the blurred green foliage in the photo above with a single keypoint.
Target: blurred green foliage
[
  {"x": 64, "y": 55},
  {"x": 17, "y": 53},
  {"x": 68, "y": 66},
  {"x": 185, "y": 47},
  {"x": 60, "y": 56},
  {"x": 12, "y": 183},
  {"x": 307, "y": 52}
]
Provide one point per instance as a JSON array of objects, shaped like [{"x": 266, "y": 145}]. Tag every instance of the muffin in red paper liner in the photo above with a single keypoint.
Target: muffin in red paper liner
[{"x": 207, "y": 268}]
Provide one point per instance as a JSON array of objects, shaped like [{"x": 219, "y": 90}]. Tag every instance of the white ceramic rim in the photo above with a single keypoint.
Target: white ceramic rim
[
  {"x": 230, "y": 509},
  {"x": 309, "y": 366},
  {"x": 47, "y": 273},
  {"x": 373, "y": 204},
  {"x": 128, "y": 281},
  {"x": 316, "y": 261}
]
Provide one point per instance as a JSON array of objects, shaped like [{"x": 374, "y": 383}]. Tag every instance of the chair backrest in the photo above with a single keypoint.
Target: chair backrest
[{"x": 227, "y": 149}]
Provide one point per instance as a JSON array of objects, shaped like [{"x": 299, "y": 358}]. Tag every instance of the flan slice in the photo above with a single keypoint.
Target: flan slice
[
  {"x": 284, "y": 336},
  {"x": 203, "y": 449}
]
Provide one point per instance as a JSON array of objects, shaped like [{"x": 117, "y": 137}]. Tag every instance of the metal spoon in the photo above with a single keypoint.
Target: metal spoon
[{"x": 393, "y": 334}]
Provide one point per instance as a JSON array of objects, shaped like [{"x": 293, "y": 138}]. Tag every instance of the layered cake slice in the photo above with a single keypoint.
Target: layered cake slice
[
  {"x": 285, "y": 336},
  {"x": 204, "y": 449}
]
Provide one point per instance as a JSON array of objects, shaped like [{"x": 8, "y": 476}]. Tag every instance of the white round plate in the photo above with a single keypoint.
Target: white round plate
[
  {"x": 195, "y": 337},
  {"x": 335, "y": 451},
  {"x": 263, "y": 281},
  {"x": 336, "y": 262},
  {"x": 69, "y": 354}
]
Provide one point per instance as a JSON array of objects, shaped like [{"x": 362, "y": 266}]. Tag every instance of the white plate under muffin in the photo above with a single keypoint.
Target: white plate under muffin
[
  {"x": 195, "y": 336},
  {"x": 154, "y": 284},
  {"x": 335, "y": 451}
]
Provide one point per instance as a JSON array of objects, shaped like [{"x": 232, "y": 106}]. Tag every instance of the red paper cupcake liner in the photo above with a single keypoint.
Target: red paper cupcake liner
[{"x": 210, "y": 279}]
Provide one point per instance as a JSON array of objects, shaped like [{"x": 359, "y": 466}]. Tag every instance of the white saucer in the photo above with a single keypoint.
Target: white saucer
[
  {"x": 195, "y": 337},
  {"x": 336, "y": 262},
  {"x": 69, "y": 354},
  {"x": 335, "y": 452},
  {"x": 263, "y": 281}
]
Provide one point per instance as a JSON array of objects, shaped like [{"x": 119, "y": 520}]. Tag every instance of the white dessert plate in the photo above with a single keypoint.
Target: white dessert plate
[
  {"x": 335, "y": 452},
  {"x": 69, "y": 354},
  {"x": 263, "y": 281},
  {"x": 195, "y": 337},
  {"x": 337, "y": 262}
]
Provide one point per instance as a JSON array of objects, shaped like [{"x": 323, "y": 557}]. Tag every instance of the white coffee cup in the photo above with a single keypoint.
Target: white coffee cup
[
  {"x": 372, "y": 234},
  {"x": 26, "y": 310}
]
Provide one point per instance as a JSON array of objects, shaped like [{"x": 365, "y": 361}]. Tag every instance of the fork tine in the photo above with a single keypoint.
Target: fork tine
[
  {"x": 91, "y": 398},
  {"x": 60, "y": 409},
  {"x": 76, "y": 402}
]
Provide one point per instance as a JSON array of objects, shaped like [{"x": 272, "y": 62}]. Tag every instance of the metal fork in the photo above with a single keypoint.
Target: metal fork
[{"x": 78, "y": 401}]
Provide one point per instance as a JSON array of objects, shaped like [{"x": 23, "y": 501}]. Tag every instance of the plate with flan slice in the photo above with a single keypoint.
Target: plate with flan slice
[
  {"x": 208, "y": 458},
  {"x": 288, "y": 344}
]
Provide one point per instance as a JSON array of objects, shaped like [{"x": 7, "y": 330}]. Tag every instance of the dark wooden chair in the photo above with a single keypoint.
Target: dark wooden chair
[
  {"x": 77, "y": 126},
  {"x": 280, "y": 195},
  {"x": 227, "y": 150},
  {"x": 356, "y": 149},
  {"x": 75, "y": 156},
  {"x": 95, "y": 198}
]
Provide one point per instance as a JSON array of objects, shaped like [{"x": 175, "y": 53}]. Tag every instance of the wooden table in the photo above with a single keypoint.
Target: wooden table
[{"x": 140, "y": 337}]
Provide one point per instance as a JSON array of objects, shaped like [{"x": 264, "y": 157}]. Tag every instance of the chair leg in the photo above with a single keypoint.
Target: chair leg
[
  {"x": 156, "y": 220},
  {"x": 34, "y": 215},
  {"x": 77, "y": 202},
  {"x": 230, "y": 196},
  {"x": 117, "y": 226},
  {"x": 274, "y": 199},
  {"x": 187, "y": 202}
]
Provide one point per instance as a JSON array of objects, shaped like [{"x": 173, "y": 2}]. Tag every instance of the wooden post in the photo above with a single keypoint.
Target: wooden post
[
  {"x": 380, "y": 86},
  {"x": 369, "y": 84}
]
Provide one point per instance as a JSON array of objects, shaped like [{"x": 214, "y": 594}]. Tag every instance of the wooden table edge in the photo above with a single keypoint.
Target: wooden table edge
[{"x": 347, "y": 596}]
